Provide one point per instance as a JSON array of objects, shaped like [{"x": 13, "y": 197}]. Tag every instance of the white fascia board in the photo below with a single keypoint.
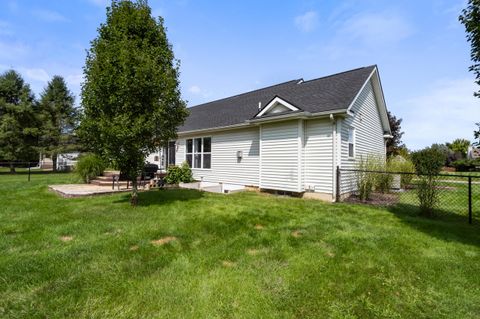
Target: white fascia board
[
  {"x": 360, "y": 91},
  {"x": 274, "y": 102}
]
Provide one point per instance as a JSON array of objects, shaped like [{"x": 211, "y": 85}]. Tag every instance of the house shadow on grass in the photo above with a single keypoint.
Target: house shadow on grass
[
  {"x": 162, "y": 196},
  {"x": 444, "y": 225}
]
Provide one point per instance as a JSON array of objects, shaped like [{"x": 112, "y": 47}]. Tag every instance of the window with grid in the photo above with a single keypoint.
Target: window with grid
[
  {"x": 351, "y": 142},
  {"x": 199, "y": 152}
]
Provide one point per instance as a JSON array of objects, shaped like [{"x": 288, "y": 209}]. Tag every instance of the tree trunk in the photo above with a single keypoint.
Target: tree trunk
[
  {"x": 12, "y": 168},
  {"x": 134, "y": 198},
  {"x": 54, "y": 162}
]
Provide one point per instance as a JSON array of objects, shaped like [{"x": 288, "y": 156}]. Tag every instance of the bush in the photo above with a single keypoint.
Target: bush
[
  {"x": 367, "y": 181},
  {"x": 177, "y": 174},
  {"x": 428, "y": 164},
  {"x": 427, "y": 195},
  {"x": 428, "y": 161},
  {"x": 89, "y": 166},
  {"x": 465, "y": 165},
  {"x": 399, "y": 164}
]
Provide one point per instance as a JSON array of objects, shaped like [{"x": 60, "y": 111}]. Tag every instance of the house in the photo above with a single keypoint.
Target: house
[{"x": 288, "y": 137}]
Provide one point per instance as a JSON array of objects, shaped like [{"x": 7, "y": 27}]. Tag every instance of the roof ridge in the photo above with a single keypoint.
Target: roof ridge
[
  {"x": 240, "y": 94},
  {"x": 335, "y": 74}
]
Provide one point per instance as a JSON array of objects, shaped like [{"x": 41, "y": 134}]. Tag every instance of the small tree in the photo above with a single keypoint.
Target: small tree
[
  {"x": 131, "y": 94},
  {"x": 59, "y": 119},
  {"x": 428, "y": 164},
  {"x": 18, "y": 119}
]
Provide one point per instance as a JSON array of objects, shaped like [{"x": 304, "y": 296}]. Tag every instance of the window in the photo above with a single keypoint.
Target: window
[
  {"x": 199, "y": 152},
  {"x": 351, "y": 142}
]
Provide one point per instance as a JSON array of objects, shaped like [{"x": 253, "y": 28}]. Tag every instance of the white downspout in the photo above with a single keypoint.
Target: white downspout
[{"x": 334, "y": 156}]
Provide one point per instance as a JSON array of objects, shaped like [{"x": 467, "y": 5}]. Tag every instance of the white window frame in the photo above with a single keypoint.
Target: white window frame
[
  {"x": 352, "y": 134},
  {"x": 201, "y": 153}
]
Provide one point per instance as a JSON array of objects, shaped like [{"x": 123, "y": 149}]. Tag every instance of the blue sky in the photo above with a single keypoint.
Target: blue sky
[{"x": 229, "y": 47}]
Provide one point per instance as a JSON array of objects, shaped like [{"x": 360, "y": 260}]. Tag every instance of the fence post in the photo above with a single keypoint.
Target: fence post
[
  {"x": 28, "y": 171},
  {"x": 337, "y": 191},
  {"x": 469, "y": 199}
]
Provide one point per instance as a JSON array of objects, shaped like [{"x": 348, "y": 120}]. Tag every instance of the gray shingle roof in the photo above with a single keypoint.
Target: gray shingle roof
[{"x": 333, "y": 92}]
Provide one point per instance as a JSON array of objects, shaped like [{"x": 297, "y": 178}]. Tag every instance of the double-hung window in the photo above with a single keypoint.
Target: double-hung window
[
  {"x": 351, "y": 142},
  {"x": 199, "y": 152}
]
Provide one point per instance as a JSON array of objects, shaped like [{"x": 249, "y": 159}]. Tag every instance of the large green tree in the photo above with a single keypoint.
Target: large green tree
[
  {"x": 18, "y": 120},
  {"x": 131, "y": 95},
  {"x": 59, "y": 119},
  {"x": 470, "y": 18}
]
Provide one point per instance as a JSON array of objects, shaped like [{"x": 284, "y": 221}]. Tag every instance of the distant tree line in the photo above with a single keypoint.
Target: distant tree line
[{"x": 29, "y": 126}]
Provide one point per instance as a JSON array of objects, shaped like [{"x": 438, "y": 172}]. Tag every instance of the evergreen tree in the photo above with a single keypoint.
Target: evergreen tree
[
  {"x": 131, "y": 95},
  {"x": 59, "y": 119},
  {"x": 18, "y": 120}
]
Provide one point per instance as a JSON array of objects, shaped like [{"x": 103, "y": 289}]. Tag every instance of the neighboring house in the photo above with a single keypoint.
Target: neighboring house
[
  {"x": 288, "y": 137},
  {"x": 65, "y": 161}
]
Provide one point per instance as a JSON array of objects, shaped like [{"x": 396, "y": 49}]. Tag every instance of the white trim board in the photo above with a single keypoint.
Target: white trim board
[{"x": 274, "y": 102}]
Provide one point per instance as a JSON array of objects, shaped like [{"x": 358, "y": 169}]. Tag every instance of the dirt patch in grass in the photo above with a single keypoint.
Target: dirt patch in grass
[
  {"x": 255, "y": 252},
  {"x": 66, "y": 238},
  {"x": 163, "y": 241},
  {"x": 259, "y": 227},
  {"x": 134, "y": 247},
  {"x": 297, "y": 233},
  {"x": 228, "y": 264}
]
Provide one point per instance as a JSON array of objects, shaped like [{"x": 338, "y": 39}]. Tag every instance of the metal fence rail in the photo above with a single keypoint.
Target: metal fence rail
[
  {"x": 19, "y": 167},
  {"x": 453, "y": 194}
]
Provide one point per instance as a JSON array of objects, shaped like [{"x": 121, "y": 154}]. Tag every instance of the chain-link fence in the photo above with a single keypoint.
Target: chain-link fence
[
  {"x": 22, "y": 168},
  {"x": 453, "y": 195}
]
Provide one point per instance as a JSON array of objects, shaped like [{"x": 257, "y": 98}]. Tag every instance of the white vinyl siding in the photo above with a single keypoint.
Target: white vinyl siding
[
  {"x": 226, "y": 167},
  {"x": 318, "y": 156},
  {"x": 368, "y": 134},
  {"x": 281, "y": 158}
]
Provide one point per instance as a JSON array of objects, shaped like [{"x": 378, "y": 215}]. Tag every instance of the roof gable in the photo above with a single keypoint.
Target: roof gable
[{"x": 277, "y": 105}]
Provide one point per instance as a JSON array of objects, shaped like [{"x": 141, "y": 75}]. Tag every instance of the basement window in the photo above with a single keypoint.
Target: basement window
[{"x": 199, "y": 152}]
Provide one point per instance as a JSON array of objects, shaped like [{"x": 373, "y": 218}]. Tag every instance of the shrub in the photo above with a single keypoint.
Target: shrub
[
  {"x": 383, "y": 182},
  {"x": 428, "y": 164},
  {"x": 427, "y": 195},
  {"x": 89, "y": 166},
  {"x": 366, "y": 178},
  {"x": 428, "y": 161},
  {"x": 186, "y": 173},
  {"x": 465, "y": 165},
  {"x": 399, "y": 164},
  {"x": 177, "y": 174}
]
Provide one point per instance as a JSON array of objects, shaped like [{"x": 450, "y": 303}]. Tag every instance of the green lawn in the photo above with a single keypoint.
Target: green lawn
[{"x": 244, "y": 255}]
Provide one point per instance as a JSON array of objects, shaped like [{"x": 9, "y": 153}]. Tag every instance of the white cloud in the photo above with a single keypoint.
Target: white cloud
[
  {"x": 361, "y": 33},
  {"x": 35, "y": 74},
  {"x": 12, "y": 50},
  {"x": 49, "y": 16},
  {"x": 374, "y": 28},
  {"x": 307, "y": 22},
  {"x": 74, "y": 79},
  {"x": 195, "y": 89},
  {"x": 100, "y": 3},
  {"x": 446, "y": 111}
]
